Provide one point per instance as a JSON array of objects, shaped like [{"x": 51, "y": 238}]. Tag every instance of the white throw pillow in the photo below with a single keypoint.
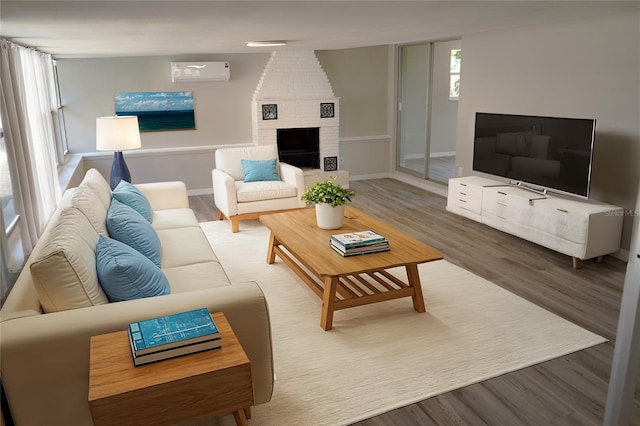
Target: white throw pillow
[{"x": 64, "y": 274}]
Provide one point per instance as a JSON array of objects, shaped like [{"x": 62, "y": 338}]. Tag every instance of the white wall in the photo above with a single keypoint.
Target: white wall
[
  {"x": 585, "y": 69},
  {"x": 222, "y": 109},
  {"x": 222, "y": 113},
  {"x": 360, "y": 79}
]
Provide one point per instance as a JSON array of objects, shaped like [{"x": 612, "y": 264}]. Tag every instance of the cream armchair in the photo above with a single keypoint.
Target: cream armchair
[{"x": 238, "y": 200}]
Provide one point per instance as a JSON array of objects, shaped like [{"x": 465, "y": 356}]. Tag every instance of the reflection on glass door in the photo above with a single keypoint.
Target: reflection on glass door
[
  {"x": 413, "y": 97},
  {"x": 443, "y": 111}
]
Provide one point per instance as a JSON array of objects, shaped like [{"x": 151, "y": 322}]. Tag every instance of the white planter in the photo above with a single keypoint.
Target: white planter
[{"x": 329, "y": 217}]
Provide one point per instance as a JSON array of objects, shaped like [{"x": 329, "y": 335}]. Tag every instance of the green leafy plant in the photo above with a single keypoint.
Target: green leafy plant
[{"x": 328, "y": 192}]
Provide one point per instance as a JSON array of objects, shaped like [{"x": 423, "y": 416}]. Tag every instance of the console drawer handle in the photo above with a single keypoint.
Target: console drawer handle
[
  {"x": 462, "y": 201},
  {"x": 463, "y": 193},
  {"x": 563, "y": 210},
  {"x": 502, "y": 193}
]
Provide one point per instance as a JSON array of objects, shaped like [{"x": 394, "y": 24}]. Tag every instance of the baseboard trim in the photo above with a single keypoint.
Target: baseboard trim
[
  {"x": 370, "y": 176},
  {"x": 622, "y": 254},
  {"x": 442, "y": 154},
  {"x": 202, "y": 191}
]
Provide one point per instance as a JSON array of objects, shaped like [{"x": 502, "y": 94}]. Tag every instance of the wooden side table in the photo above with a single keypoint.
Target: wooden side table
[{"x": 208, "y": 383}]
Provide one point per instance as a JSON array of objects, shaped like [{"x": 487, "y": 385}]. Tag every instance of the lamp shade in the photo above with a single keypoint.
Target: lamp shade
[{"x": 118, "y": 133}]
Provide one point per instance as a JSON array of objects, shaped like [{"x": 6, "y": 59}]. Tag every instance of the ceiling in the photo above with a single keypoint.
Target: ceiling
[{"x": 86, "y": 28}]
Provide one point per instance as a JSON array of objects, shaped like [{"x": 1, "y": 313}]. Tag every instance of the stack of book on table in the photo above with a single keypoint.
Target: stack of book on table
[
  {"x": 362, "y": 242},
  {"x": 173, "y": 335}
]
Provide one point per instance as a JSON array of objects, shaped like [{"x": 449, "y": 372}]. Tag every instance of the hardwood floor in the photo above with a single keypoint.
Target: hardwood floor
[
  {"x": 570, "y": 390},
  {"x": 441, "y": 169}
]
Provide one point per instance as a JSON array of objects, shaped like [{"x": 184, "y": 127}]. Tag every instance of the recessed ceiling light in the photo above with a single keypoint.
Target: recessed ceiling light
[{"x": 268, "y": 43}]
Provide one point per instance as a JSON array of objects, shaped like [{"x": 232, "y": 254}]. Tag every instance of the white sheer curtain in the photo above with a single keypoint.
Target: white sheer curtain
[
  {"x": 27, "y": 99},
  {"x": 4, "y": 270}
]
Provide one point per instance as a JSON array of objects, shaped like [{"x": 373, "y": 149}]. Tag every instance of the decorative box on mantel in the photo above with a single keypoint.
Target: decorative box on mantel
[{"x": 297, "y": 84}]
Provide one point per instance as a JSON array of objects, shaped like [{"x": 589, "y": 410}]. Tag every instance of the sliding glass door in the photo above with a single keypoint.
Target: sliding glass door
[
  {"x": 413, "y": 99},
  {"x": 428, "y": 89}
]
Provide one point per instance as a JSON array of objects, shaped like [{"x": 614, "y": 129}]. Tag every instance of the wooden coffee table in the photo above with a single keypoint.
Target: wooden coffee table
[{"x": 345, "y": 282}]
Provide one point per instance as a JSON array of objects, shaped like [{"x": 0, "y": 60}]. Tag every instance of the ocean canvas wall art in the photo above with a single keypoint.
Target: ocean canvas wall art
[{"x": 158, "y": 110}]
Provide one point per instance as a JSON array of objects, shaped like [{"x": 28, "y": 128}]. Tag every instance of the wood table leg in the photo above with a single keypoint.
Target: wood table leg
[
  {"x": 247, "y": 412},
  {"x": 271, "y": 254},
  {"x": 240, "y": 418},
  {"x": 235, "y": 224},
  {"x": 414, "y": 281},
  {"x": 575, "y": 262},
  {"x": 328, "y": 301}
]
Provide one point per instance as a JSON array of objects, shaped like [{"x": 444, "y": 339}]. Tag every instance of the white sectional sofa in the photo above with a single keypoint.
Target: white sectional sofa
[{"x": 48, "y": 318}]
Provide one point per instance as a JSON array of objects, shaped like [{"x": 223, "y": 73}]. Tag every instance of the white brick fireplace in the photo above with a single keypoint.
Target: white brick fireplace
[{"x": 293, "y": 93}]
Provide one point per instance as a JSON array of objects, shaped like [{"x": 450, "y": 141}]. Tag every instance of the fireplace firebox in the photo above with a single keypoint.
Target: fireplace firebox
[{"x": 299, "y": 147}]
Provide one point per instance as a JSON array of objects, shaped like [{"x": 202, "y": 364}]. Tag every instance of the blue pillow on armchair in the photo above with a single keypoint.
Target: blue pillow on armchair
[{"x": 260, "y": 170}]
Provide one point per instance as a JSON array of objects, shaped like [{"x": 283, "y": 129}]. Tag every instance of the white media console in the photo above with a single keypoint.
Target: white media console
[{"x": 582, "y": 229}]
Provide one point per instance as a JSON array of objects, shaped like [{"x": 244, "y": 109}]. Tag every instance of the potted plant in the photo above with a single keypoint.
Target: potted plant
[{"x": 329, "y": 198}]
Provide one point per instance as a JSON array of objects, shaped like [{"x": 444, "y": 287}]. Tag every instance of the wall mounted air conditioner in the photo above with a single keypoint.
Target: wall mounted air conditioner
[{"x": 199, "y": 71}]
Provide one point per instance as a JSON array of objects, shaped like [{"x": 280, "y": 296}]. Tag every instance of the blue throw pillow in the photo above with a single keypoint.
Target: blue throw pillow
[
  {"x": 131, "y": 196},
  {"x": 125, "y": 274},
  {"x": 128, "y": 226},
  {"x": 260, "y": 170}
]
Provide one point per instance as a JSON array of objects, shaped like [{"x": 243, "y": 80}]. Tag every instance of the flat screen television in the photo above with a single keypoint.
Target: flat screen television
[{"x": 545, "y": 153}]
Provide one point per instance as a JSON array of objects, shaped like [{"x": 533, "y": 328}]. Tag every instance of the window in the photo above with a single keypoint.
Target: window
[
  {"x": 58, "y": 121},
  {"x": 6, "y": 193},
  {"x": 454, "y": 74},
  {"x": 31, "y": 146}
]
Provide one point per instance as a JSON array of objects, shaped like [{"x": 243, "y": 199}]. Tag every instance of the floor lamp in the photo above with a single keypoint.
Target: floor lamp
[{"x": 117, "y": 134}]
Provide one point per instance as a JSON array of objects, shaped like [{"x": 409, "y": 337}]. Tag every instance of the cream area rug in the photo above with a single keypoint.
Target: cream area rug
[{"x": 383, "y": 356}]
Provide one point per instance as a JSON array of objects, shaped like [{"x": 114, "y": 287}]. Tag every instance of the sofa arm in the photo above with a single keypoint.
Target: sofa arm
[
  {"x": 165, "y": 195},
  {"x": 224, "y": 193},
  {"x": 293, "y": 175},
  {"x": 44, "y": 359}
]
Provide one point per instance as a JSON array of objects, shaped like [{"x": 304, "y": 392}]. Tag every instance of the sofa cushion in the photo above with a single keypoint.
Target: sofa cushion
[
  {"x": 88, "y": 202},
  {"x": 260, "y": 170},
  {"x": 198, "y": 276},
  {"x": 184, "y": 246},
  {"x": 125, "y": 274},
  {"x": 128, "y": 226},
  {"x": 64, "y": 272},
  {"x": 96, "y": 182},
  {"x": 132, "y": 197},
  {"x": 267, "y": 190},
  {"x": 174, "y": 218}
]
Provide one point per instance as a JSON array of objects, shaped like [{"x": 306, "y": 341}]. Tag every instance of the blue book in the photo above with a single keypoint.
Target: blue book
[{"x": 172, "y": 331}]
